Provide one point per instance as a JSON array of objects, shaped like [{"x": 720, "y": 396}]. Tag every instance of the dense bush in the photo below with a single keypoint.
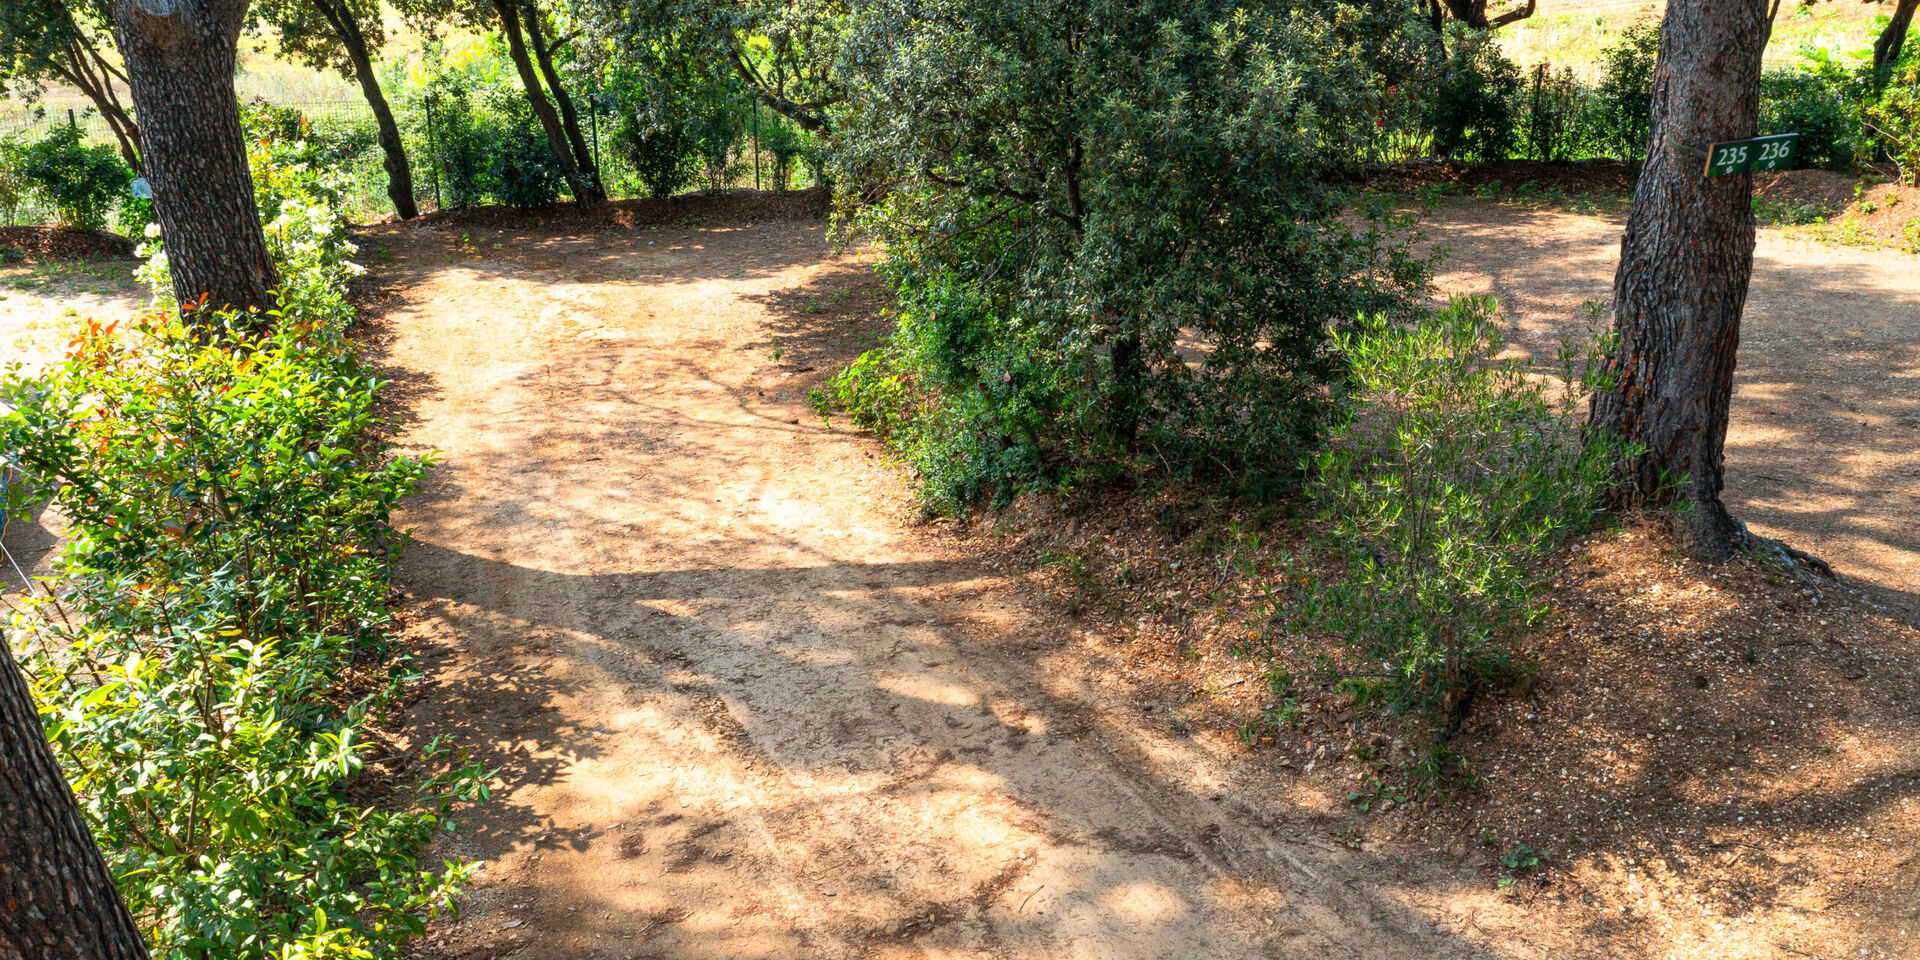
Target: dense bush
[
  {"x": 675, "y": 114},
  {"x": 1817, "y": 107},
  {"x": 1113, "y": 235},
  {"x": 978, "y": 403},
  {"x": 1471, "y": 98},
  {"x": 788, "y": 144},
  {"x": 218, "y": 644},
  {"x": 78, "y": 181},
  {"x": 1554, "y": 115},
  {"x": 1623, "y": 102},
  {"x": 1452, "y": 475},
  {"x": 459, "y": 139},
  {"x": 524, "y": 172},
  {"x": 1894, "y": 119}
]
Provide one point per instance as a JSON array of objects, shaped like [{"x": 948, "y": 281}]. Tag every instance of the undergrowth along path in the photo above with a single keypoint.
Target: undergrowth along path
[
  {"x": 740, "y": 706},
  {"x": 1823, "y": 448}
]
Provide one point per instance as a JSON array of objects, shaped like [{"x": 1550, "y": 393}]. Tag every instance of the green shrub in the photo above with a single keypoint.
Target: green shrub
[
  {"x": 652, "y": 130},
  {"x": 978, "y": 405},
  {"x": 1817, "y": 107},
  {"x": 81, "y": 182},
  {"x": 462, "y": 141},
  {"x": 1894, "y": 119},
  {"x": 788, "y": 143},
  {"x": 1471, "y": 98},
  {"x": 14, "y": 186},
  {"x": 525, "y": 172},
  {"x": 1623, "y": 102},
  {"x": 1136, "y": 230},
  {"x": 219, "y": 641},
  {"x": 1454, "y": 473},
  {"x": 1554, "y": 115}
]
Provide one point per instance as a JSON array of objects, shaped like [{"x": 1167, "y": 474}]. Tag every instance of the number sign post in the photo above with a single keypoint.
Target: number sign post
[{"x": 1746, "y": 156}]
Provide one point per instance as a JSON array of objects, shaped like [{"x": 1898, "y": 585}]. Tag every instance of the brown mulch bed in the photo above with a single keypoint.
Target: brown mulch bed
[
  {"x": 733, "y": 206},
  {"x": 1708, "y": 754},
  {"x": 1876, "y": 210},
  {"x": 60, "y": 243},
  {"x": 1577, "y": 176}
]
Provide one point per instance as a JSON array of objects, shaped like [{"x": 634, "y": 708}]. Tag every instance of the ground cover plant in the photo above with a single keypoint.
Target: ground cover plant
[{"x": 210, "y": 656}]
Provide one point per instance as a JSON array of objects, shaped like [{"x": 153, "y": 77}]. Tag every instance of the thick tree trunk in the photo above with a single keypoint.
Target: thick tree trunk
[
  {"x": 392, "y": 149},
  {"x": 57, "y": 899},
  {"x": 583, "y": 190},
  {"x": 1684, "y": 266},
  {"x": 180, "y": 67},
  {"x": 1886, "y": 48},
  {"x": 569, "y": 118}
]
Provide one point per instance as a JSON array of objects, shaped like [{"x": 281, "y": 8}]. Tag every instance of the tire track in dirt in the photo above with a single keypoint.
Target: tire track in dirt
[{"x": 738, "y": 708}]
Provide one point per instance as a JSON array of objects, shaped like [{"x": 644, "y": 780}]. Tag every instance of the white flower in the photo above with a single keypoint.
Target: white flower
[
  {"x": 354, "y": 268},
  {"x": 153, "y": 231}
]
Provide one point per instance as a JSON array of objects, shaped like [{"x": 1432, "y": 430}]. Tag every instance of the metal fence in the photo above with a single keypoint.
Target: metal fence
[{"x": 349, "y": 126}]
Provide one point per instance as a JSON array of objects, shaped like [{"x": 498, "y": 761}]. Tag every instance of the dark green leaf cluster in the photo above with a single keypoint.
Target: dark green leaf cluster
[
  {"x": 81, "y": 182},
  {"x": 1140, "y": 201}
]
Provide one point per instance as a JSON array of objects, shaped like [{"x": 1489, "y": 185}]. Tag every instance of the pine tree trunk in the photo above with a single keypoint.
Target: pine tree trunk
[
  {"x": 392, "y": 149},
  {"x": 180, "y": 68},
  {"x": 1886, "y": 48},
  {"x": 569, "y": 118},
  {"x": 57, "y": 899},
  {"x": 1684, "y": 267},
  {"x": 583, "y": 191}
]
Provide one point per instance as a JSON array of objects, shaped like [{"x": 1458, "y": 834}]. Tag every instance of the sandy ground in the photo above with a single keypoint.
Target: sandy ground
[
  {"x": 738, "y": 706},
  {"x": 1824, "y": 446}
]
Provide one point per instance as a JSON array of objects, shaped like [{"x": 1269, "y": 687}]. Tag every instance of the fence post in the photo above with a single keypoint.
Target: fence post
[
  {"x": 593, "y": 120},
  {"x": 433, "y": 150}
]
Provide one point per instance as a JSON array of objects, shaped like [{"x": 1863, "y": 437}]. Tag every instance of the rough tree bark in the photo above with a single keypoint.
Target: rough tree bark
[
  {"x": 584, "y": 190},
  {"x": 180, "y": 58},
  {"x": 57, "y": 899},
  {"x": 1886, "y": 48},
  {"x": 1685, "y": 263},
  {"x": 393, "y": 151}
]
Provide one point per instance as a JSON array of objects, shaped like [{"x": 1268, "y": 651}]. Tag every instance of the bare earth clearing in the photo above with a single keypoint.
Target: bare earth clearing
[
  {"x": 742, "y": 706},
  {"x": 740, "y": 709}
]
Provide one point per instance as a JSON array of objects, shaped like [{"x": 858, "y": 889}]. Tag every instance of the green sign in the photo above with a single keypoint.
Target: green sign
[{"x": 1746, "y": 156}]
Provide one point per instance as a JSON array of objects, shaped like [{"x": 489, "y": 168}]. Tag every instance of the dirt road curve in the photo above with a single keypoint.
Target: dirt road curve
[{"x": 739, "y": 708}]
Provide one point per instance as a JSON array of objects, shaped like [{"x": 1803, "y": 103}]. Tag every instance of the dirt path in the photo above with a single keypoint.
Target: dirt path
[
  {"x": 1824, "y": 446},
  {"x": 739, "y": 707}
]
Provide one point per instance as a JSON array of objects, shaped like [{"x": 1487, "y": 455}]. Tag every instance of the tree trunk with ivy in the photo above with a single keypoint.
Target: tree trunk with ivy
[
  {"x": 1685, "y": 263},
  {"x": 57, "y": 899},
  {"x": 180, "y": 60}
]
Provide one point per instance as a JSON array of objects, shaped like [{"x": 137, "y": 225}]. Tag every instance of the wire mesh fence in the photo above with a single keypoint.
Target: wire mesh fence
[{"x": 350, "y": 130}]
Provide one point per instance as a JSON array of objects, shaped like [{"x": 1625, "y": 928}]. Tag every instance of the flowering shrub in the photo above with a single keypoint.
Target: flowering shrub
[
  {"x": 299, "y": 197},
  {"x": 217, "y": 642}
]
